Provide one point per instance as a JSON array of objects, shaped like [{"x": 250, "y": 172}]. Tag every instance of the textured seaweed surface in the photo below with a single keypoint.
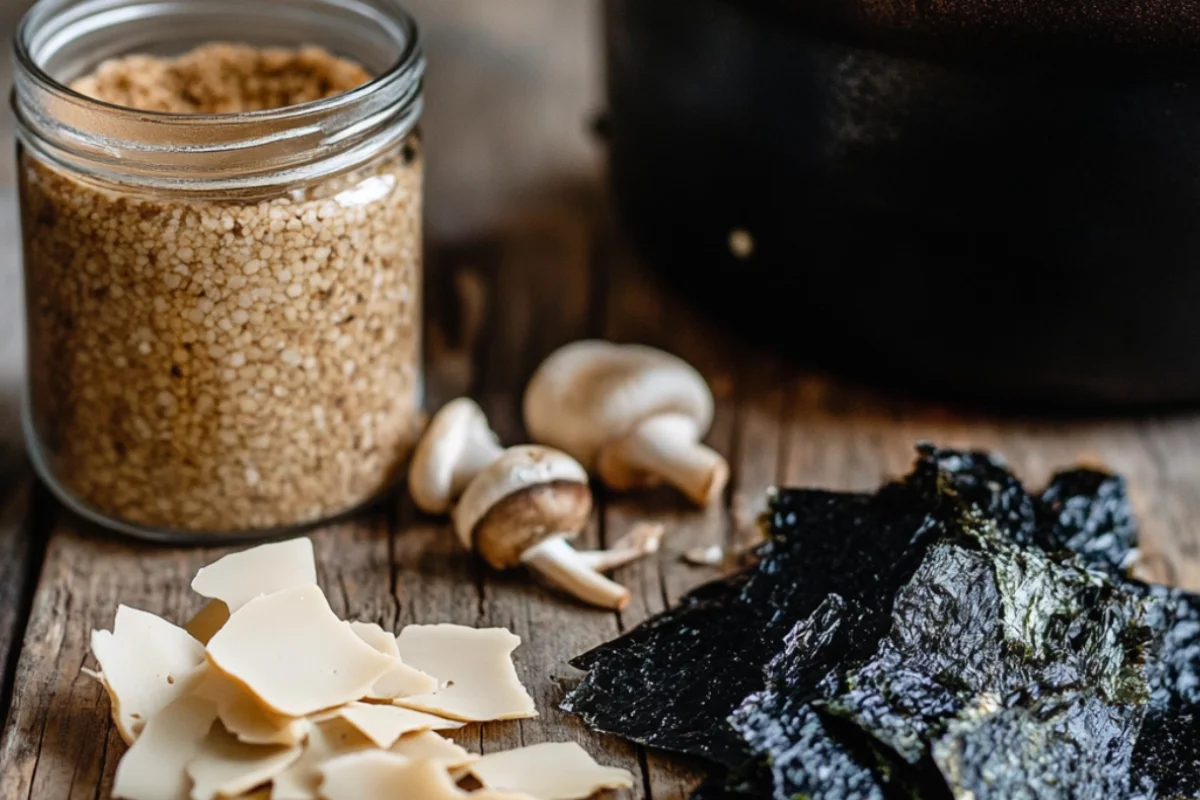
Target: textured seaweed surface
[
  {"x": 672, "y": 682},
  {"x": 1088, "y": 512},
  {"x": 1070, "y": 744},
  {"x": 1167, "y": 755},
  {"x": 951, "y": 635}
]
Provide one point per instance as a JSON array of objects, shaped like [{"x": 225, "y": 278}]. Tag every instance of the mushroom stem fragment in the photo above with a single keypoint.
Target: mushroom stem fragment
[
  {"x": 563, "y": 566},
  {"x": 642, "y": 540},
  {"x": 608, "y": 560},
  {"x": 665, "y": 447}
]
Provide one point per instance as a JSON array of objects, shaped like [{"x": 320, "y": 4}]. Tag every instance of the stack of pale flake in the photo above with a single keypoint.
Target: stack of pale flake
[{"x": 266, "y": 693}]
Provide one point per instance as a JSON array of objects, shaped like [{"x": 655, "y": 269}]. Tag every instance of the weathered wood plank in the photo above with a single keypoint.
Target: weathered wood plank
[
  {"x": 396, "y": 567},
  {"x": 19, "y": 552},
  {"x": 540, "y": 293},
  {"x": 745, "y": 430},
  {"x": 56, "y": 742}
]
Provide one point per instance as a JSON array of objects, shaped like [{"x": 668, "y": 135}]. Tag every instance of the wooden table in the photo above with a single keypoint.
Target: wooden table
[
  {"x": 497, "y": 306},
  {"x": 498, "y": 302}
]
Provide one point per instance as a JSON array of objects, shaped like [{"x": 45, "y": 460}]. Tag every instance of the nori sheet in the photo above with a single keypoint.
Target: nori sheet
[
  {"x": 951, "y": 633},
  {"x": 1088, "y": 512},
  {"x": 672, "y": 682},
  {"x": 1024, "y": 626},
  {"x": 1166, "y": 760},
  {"x": 1065, "y": 745}
]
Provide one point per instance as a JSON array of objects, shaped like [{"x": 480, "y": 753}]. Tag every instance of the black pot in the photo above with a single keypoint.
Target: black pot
[{"x": 1000, "y": 202}]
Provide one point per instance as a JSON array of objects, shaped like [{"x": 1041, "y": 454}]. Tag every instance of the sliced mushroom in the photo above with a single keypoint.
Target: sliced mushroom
[
  {"x": 634, "y": 415},
  {"x": 524, "y": 508},
  {"x": 456, "y": 446}
]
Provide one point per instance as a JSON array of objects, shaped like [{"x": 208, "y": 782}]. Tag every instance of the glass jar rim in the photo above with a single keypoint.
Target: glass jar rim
[{"x": 159, "y": 149}]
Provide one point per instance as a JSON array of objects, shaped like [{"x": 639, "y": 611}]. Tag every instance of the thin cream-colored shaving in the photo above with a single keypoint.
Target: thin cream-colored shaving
[
  {"x": 225, "y": 767},
  {"x": 399, "y": 681},
  {"x": 153, "y": 768},
  {"x": 551, "y": 771},
  {"x": 294, "y": 655},
  {"x": 239, "y": 577},
  {"x": 146, "y": 663},
  {"x": 432, "y": 747},
  {"x": 374, "y": 635},
  {"x": 266, "y": 694},
  {"x": 478, "y": 682},
  {"x": 244, "y": 717},
  {"x": 326, "y": 741},
  {"x": 383, "y": 725},
  {"x": 379, "y": 775},
  {"x": 402, "y": 681},
  {"x": 709, "y": 556}
]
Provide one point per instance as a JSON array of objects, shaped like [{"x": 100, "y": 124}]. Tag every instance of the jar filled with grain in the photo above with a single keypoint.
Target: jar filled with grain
[{"x": 221, "y": 216}]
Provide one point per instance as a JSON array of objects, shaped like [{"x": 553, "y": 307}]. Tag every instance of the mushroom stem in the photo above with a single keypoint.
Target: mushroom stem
[
  {"x": 606, "y": 560},
  {"x": 642, "y": 540},
  {"x": 559, "y": 563},
  {"x": 665, "y": 447}
]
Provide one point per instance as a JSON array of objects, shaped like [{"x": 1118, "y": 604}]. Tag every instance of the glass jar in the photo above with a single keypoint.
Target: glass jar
[{"x": 224, "y": 310}]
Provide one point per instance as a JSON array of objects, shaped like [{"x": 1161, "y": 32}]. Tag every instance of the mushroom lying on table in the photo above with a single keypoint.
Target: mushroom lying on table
[
  {"x": 518, "y": 506},
  {"x": 524, "y": 509},
  {"x": 456, "y": 446},
  {"x": 632, "y": 414}
]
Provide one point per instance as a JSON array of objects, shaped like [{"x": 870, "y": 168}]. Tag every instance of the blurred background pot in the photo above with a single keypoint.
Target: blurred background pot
[{"x": 998, "y": 202}]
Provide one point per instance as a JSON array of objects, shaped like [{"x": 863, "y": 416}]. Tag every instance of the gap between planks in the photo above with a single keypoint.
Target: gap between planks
[{"x": 21, "y": 549}]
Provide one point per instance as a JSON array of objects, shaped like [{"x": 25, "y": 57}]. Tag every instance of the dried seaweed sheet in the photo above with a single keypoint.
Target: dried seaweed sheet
[
  {"x": 1025, "y": 626},
  {"x": 673, "y": 682},
  {"x": 794, "y": 746},
  {"x": 1095, "y": 519},
  {"x": 1088, "y": 512},
  {"x": 835, "y": 675},
  {"x": 1066, "y": 745},
  {"x": 1166, "y": 759}
]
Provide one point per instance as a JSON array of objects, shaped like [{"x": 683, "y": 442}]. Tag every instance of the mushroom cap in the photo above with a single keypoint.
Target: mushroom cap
[
  {"x": 440, "y": 450},
  {"x": 526, "y": 496},
  {"x": 592, "y": 392}
]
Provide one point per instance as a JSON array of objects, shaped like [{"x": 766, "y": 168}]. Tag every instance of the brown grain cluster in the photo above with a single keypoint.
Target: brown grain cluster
[
  {"x": 222, "y": 78},
  {"x": 225, "y": 366}
]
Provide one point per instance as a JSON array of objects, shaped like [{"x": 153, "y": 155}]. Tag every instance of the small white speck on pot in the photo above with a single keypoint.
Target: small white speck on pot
[{"x": 741, "y": 243}]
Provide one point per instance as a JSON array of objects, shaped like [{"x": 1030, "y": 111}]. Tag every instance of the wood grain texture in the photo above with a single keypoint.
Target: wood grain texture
[
  {"x": 499, "y": 303},
  {"x": 18, "y": 556},
  {"x": 539, "y": 287}
]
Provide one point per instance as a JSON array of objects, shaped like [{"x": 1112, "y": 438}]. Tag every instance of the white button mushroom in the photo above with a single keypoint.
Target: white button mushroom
[
  {"x": 456, "y": 446},
  {"x": 523, "y": 509},
  {"x": 634, "y": 415}
]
